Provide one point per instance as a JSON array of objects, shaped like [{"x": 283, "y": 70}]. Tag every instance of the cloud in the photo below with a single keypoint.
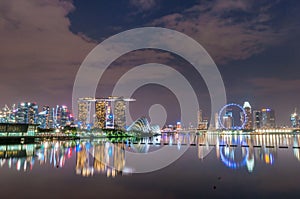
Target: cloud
[
  {"x": 38, "y": 53},
  {"x": 143, "y": 5},
  {"x": 266, "y": 86},
  {"x": 229, "y": 30},
  {"x": 220, "y": 6}
]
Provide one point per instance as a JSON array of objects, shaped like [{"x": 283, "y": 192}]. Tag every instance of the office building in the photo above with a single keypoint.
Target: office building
[
  {"x": 202, "y": 124},
  {"x": 44, "y": 118},
  {"x": 257, "y": 119},
  {"x": 268, "y": 118},
  {"x": 27, "y": 113},
  {"x": 62, "y": 116},
  {"x": 217, "y": 125},
  {"x": 295, "y": 119},
  {"x": 228, "y": 121},
  {"x": 247, "y": 118}
]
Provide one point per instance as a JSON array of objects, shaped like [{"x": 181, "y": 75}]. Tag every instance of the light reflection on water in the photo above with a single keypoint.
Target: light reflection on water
[
  {"x": 214, "y": 166},
  {"x": 106, "y": 157}
]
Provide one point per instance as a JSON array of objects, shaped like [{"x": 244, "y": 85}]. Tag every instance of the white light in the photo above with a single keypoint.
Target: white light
[{"x": 247, "y": 105}]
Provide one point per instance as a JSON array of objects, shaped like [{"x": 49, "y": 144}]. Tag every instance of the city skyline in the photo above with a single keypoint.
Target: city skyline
[
  {"x": 106, "y": 113},
  {"x": 188, "y": 99},
  {"x": 254, "y": 45}
]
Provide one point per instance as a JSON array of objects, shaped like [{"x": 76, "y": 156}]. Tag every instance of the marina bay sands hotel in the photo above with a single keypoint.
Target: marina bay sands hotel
[{"x": 104, "y": 113}]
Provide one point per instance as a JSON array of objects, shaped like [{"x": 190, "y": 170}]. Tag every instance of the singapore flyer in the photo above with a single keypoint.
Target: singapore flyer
[{"x": 226, "y": 118}]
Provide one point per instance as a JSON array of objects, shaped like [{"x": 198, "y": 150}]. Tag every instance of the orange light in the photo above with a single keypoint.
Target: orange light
[{"x": 267, "y": 159}]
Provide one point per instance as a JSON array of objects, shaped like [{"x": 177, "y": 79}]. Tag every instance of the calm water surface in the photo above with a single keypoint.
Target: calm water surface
[{"x": 214, "y": 166}]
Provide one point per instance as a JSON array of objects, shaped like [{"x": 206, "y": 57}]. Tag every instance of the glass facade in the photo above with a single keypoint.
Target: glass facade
[
  {"x": 268, "y": 118},
  {"x": 27, "y": 113}
]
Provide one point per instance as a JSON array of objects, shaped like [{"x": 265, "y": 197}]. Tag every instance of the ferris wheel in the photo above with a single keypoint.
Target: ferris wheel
[{"x": 233, "y": 127}]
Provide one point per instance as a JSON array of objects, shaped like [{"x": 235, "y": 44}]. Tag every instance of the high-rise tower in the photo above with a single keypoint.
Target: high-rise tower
[
  {"x": 247, "y": 117},
  {"x": 100, "y": 113},
  {"x": 295, "y": 119},
  {"x": 27, "y": 112},
  {"x": 268, "y": 118},
  {"x": 257, "y": 119},
  {"x": 84, "y": 112},
  {"x": 119, "y": 113}
]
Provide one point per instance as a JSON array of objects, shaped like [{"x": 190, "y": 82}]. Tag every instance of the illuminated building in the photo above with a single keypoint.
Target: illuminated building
[
  {"x": 178, "y": 126},
  {"x": 295, "y": 119},
  {"x": 268, "y": 118},
  {"x": 109, "y": 117},
  {"x": 200, "y": 116},
  {"x": 119, "y": 113},
  {"x": 32, "y": 113},
  {"x": 217, "y": 126},
  {"x": 247, "y": 117},
  {"x": 257, "y": 119},
  {"x": 109, "y": 112},
  {"x": 44, "y": 117},
  {"x": 54, "y": 118},
  {"x": 228, "y": 121},
  {"x": 143, "y": 125},
  {"x": 84, "y": 112},
  {"x": 47, "y": 116},
  {"x": 58, "y": 111},
  {"x": 101, "y": 113},
  {"x": 62, "y": 116},
  {"x": 27, "y": 113},
  {"x": 202, "y": 124},
  {"x": 51, "y": 123},
  {"x": 8, "y": 115}
]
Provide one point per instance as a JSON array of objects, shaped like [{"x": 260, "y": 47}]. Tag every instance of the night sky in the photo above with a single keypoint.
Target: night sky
[{"x": 255, "y": 45}]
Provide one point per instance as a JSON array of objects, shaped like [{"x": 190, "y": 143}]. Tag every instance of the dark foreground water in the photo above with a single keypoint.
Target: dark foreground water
[{"x": 214, "y": 166}]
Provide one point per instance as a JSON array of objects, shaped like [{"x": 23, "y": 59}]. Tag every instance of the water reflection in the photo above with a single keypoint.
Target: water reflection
[
  {"x": 97, "y": 157},
  {"x": 54, "y": 153},
  {"x": 19, "y": 157},
  {"x": 109, "y": 158},
  {"x": 244, "y": 151}
]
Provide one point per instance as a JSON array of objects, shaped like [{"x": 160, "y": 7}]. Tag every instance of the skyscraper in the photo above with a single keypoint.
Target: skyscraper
[
  {"x": 84, "y": 112},
  {"x": 46, "y": 109},
  {"x": 109, "y": 117},
  {"x": 44, "y": 117},
  {"x": 64, "y": 116},
  {"x": 217, "y": 125},
  {"x": 27, "y": 113},
  {"x": 58, "y": 111},
  {"x": 248, "y": 117},
  {"x": 32, "y": 113},
  {"x": 109, "y": 112},
  {"x": 200, "y": 116},
  {"x": 101, "y": 113},
  {"x": 257, "y": 119},
  {"x": 119, "y": 113},
  {"x": 202, "y": 124},
  {"x": 268, "y": 118},
  {"x": 228, "y": 121},
  {"x": 52, "y": 118},
  {"x": 295, "y": 119}
]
